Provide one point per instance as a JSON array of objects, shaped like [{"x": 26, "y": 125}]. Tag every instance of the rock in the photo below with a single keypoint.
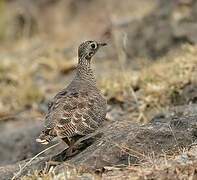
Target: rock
[
  {"x": 17, "y": 140},
  {"x": 123, "y": 142},
  {"x": 186, "y": 95},
  {"x": 170, "y": 24},
  {"x": 190, "y": 93}
]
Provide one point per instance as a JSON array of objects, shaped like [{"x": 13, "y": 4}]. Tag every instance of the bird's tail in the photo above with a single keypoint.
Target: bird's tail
[{"x": 44, "y": 138}]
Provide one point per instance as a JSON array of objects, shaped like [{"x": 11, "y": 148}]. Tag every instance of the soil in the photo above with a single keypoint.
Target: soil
[
  {"x": 151, "y": 121},
  {"x": 120, "y": 143}
]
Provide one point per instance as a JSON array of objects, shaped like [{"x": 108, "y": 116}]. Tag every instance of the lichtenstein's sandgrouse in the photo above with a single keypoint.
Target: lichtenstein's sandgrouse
[{"x": 79, "y": 109}]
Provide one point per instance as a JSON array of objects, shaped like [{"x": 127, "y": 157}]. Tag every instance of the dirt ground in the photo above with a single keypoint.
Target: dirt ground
[{"x": 147, "y": 74}]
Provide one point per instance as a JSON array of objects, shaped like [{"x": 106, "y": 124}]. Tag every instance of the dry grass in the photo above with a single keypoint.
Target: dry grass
[
  {"x": 170, "y": 74},
  {"x": 182, "y": 166},
  {"x": 157, "y": 84},
  {"x": 32, "y": 70},
  {"x": 18, "y": 90},
  {"x": 26, "y": 78},
  {"x": 117, "y": 84}
]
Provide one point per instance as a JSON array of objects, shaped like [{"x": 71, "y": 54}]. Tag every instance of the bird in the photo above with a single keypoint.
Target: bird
[{"x": 79, "y": 109}]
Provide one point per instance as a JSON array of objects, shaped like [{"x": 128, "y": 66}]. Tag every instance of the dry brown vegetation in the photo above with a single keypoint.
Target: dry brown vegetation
[
  {"x": 39, "y": 54},
  {"x": 158, "y": 83}
]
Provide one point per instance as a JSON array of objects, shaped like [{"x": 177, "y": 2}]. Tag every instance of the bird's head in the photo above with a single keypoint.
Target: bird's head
[{"x": 87, "y": 49}]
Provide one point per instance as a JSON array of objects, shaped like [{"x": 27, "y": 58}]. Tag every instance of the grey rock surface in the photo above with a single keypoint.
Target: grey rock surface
[{"x": 123, "y": 142}]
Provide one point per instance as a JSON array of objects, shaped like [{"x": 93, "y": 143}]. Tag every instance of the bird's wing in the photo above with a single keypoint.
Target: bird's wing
[
  {"x": 74, "y": 113},
  {"x": 53, "y": 107}
]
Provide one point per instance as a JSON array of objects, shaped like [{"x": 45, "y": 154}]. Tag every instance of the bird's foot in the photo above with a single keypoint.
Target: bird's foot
[
  {"x": 65, "y": 154},
  {"x": 72, "y": 151}
]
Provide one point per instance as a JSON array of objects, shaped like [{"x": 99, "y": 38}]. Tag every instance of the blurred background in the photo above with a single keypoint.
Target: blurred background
[{"x": 149, "y": 65}]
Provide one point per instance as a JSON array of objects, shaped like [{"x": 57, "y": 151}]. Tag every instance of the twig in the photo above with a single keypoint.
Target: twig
[
  {"x": 174, "y": 137},
  {"x": 122, "y": 57},
  {"x": 123, "y": 148},
  {"x": 29, "y": 162}
]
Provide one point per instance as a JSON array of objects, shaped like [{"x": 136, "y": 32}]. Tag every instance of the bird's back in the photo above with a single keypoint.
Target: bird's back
[{"x": 78, "y": 109}]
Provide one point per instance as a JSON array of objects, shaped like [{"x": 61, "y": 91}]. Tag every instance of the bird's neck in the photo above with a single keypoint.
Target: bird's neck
[{"x": 84, "y": 70}]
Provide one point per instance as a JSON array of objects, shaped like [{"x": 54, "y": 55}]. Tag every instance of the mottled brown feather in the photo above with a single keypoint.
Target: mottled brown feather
[
  {"x": 75, "y": 114},
  {"x": 78, "y": 109}
]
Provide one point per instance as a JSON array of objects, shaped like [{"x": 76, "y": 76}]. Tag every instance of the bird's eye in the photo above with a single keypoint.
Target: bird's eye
[{"x": 93, "y": 46}]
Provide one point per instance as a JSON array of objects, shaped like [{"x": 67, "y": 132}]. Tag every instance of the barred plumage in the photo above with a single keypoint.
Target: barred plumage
[{"x": 80, "y": 108}]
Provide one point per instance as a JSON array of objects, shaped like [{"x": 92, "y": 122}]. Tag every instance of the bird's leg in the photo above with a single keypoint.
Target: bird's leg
[
  {"x": 72, "y": 149},
  {"x": 63, "y": 155},
  {"x": 67, "y": 141},
  {"x": 68, "y": 152},
  {"x": 89, "y": 138}
]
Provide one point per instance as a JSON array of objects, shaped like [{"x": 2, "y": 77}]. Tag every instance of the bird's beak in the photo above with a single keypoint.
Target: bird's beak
[{"x": 102, "y": 44}]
